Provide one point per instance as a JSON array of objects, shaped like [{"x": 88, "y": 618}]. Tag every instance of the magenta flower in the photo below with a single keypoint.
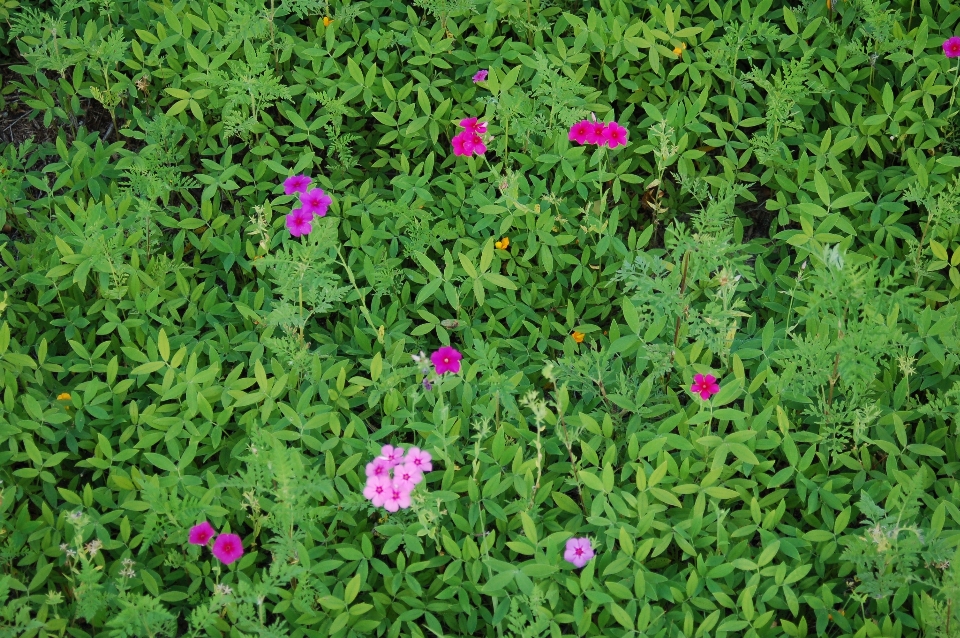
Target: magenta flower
[
  {"x": 467, "y": 143},
  {"x": 616, "y": 135},
  {"x": 578, "y": 552},
  {"x": 446, "y": 359},
  {"x": 228, "y": 548},
  {"x": 470, "y": 125},
  {"x": 951, "y": 48},
  {"x": 406, "y": 476},
  {"x": 377, "y": 490},
  {"x": 393, "y": 456},
  {"x": 480, "y": 76},
  {"x": 299, "y": 222},
  {"x": 458, "y": 148},
  {"x": 315, "y": 202},
  {"x": 201, "y": 534},
  {"x": 597, "y": 133},
  {"x": 419, "y": 459},
  {"x": 580, "y": 131},
  {"x": 296, "y": 184},
  {"x": 705, "y": 385},
  {"x": 378, "y": 467},
  {"x": 398, "y": 497}
]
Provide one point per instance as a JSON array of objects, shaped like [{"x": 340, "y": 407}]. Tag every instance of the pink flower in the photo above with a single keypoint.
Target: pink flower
[
  {"x": 951, "y": 48},
  {"x": 201, "y": 534},
  {"x": 616, "y": 135},
  {"x": 458, "y": 148},
  {"x": 419, "y": 459},
  {"x": 393, "y": 456},
  {"x": 705, "y": 385},
  {"x": 315, "y": 202},
  {"x": 398, "y": 497},
  {"x": 578, "y": 551},
  {"x": 446, "y": 359},
  {"x": 407, "y": 476},
  {"x": 467, "y": 143},
  {"x": 580, "y": 131},
  {"x": 597, "y": 133},
  {"x": 296, "y": 184},
  {"x": 377, "y": 490},
  {"x": 480, "y": 76},
  {"x": 470, "y": 125},
  {"x": 299, "y": 222},
  {"x": 228, "y": 548},
  {"x": 378, "y": 467}
]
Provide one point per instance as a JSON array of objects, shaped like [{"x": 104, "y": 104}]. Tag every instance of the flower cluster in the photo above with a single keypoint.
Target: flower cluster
[
  {"x": 228, "y": 548},
  {"x": 705, "y": 385},
  {"x": 610, "y": 135},
  {"x": 313, "y": 203},
  {"x": 470, "y": 140},
  {"x": 951, "y": 48},
  {"x": 392, "y": 476}
]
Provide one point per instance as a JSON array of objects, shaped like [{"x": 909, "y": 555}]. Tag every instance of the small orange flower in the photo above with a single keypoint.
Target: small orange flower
[
  {"x": 64, "y": 396},
  {"x": 680, "y": 49},
  {"x": 503, "y": 244},
  {"x": 578, "y": 336},
  {"x": 327, "y": 21}
]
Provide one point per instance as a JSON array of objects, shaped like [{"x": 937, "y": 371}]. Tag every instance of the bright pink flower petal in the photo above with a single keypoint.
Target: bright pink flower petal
[
  {"x": 446, "y": 359},
  {"x": 228, "y": 548},
  {"x": 201, "y": 534}
]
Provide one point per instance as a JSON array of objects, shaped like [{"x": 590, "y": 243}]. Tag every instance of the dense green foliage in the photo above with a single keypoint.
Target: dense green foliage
[{"x": 785, "y": 217}]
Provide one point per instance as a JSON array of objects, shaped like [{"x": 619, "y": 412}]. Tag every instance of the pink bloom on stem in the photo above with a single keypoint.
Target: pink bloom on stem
[
  {"x": 470, "y": 125},
  {"x": 392, "y": 455},
  {"x": 419, "y": 459},
  {"x": 398, "y": 497},
  {"x": 951, "y": 48},
  {"x": 578, "y": 551},
  {"x": 476, "y": 145},
  {"x": 580, "y": 131},
  {"x": 705, "y": 385},
  {"x": 480, "y": 76},
  {"x": 467, "y": 143},
  {"x": 296, "y": 184},
  {"x": 616, "y": 135},
  {"x": 228, "y": 548},
  {"x": 315, "y": 202},
  {"x": 446, "y": 359},
  {"x": 377, "y": 490},
  {"x": 378, "y": 467},
  {"x": 299, "y": 222},
  {"x": 407, "y": 476},
  {"x": 201, "y": 534}
]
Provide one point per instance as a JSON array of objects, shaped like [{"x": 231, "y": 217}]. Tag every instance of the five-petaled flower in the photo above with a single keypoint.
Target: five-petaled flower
[
  {"x": 315, "y": 202},
  {"x": 296, "y": 184},
  {"x": 201, "y": 534},
  {"x": 577, "y": 336},
  {"x": 228, "y": 548},
  {"x": 299, "y": 222},
  {"x": 446, "y": 359},
  {"x": 705, "y": 385},
  {"x": 578, "y": 552},
  {"x": 951, "y": 48}
]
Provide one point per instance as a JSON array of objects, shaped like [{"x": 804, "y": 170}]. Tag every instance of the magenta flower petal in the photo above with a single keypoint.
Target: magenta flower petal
[
  {"x": 296, "y": 184},
  {"x": 951, "y": 48},
  {"x": 578, "y": 552},
  {"x": 299, "y": 222},
  {"x": 228, "y": 548},
  {"x": 705, "y": 385},
  {"x": 201, "y": 534},
  {"x": 315, "y": 202},
  {"x": 580, "y": 131},
  {"x": 446, "y": 359},
  {"x": 480, "y": 76}
]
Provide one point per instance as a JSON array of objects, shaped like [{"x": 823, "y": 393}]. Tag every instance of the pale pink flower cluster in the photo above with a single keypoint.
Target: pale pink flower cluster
[{"x": 392, "y": 476}]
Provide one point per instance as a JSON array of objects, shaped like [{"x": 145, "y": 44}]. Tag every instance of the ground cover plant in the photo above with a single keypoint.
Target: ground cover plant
[{"x": 506, "y": 318}]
